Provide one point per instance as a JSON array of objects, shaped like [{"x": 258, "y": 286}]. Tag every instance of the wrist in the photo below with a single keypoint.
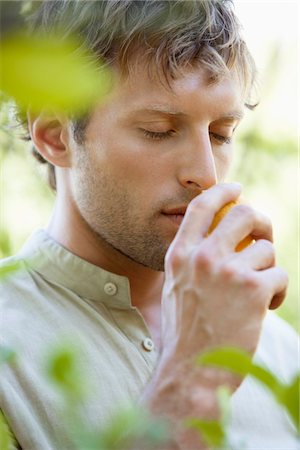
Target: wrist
[{"x": 182, "y": 393}]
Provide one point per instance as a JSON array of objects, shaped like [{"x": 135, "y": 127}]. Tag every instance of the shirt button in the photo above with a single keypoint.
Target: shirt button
[
  {"x": 110, "y": 288},
  {"x": 148, "y": 344}
]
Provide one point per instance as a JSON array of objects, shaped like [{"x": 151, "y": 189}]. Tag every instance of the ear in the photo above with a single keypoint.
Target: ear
[{"x": 49, "y": 134}]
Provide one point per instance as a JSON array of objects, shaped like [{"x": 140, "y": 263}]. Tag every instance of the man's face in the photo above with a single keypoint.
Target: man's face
[{"x": 149, "y": 150}]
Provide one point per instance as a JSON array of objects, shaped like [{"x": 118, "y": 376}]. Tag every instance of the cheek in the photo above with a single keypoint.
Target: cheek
[
  {"x": 223, "y": 160},
  {"x": 132, "y": 160}
]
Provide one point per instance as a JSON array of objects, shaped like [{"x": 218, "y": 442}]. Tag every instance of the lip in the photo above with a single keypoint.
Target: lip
[
  {"x": 181, "y": 210},
  {"x": 175, "y": 218},
  {"x": 175, "y": 215}
]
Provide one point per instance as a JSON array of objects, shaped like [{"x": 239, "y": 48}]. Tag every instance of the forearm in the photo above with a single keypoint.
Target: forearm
[
  {"x": 174, "y": 397},
  {"x": 174, "y": 413}
]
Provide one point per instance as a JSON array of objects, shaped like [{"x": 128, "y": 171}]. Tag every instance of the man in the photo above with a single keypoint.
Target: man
[{"x": 125, "y": 265}]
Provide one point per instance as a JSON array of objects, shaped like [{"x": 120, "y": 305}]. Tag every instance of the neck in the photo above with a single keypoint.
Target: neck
[{"x": 145, "y": 284}]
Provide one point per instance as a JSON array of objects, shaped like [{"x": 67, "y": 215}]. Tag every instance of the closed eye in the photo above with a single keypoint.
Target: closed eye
[
  {"x": 161, "y": 135},
  {"x": 221, "y": 139},
  {"x": 157, "y": 135}
]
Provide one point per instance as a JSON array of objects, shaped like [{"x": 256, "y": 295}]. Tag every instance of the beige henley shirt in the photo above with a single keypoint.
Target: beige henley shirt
[{"x": 59, "y": 296}]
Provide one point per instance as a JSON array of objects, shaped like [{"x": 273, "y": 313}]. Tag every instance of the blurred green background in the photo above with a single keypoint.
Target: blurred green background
[{"x": 266, "y": 160}]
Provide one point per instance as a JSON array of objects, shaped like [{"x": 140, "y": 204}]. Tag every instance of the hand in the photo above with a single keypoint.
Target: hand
[{"x": 212, "y": 295}]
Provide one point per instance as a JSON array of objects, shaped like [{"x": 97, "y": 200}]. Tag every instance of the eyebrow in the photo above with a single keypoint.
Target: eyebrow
[
  {"x": 167, "y": 110},
  {"x": 234, "y": 115},
  {"x": 163, "y": 109}
]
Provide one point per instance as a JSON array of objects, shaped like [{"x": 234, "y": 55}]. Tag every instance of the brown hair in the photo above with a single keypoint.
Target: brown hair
[{"x": 171, "y": 33}]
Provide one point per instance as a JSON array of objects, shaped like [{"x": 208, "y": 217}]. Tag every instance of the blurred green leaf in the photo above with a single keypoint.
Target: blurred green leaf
[
  {"x": 5, "y": 245},
  {"x": 212, "y": 432},
  {"x": 7, "y": 355},
  {"x": 10, "y": 268},
  {"x": 62, "y": 367},
  {"x": 6, "y": 439},
  {"x": 50, "y": 72},
  {"x": 126, "y": 429},
  {"x": 240, "y": 362},
  {"x": 256, "y": 142},
  {"x": 291, "y": 400},
  {"x": 223, "y": 395}
]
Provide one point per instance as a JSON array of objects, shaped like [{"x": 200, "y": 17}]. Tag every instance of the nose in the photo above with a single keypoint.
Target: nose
[{"x": 197, "y": 168}]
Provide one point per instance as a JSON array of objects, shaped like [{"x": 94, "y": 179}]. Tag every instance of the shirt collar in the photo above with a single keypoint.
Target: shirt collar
[{"x": 58, "y": 265}]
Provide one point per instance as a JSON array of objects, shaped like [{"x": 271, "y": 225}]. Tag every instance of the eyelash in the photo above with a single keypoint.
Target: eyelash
[
  {"x": 161, "y": 135},
  {"x": 221, "y": 139},
  {"x": 158, "y": 135}
]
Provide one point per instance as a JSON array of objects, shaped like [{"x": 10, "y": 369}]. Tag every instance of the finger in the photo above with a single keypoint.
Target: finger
[
  {"x": 258, "y": 256},
  {"x": 278, "y": 280},
  {"x": 202, "y": 209},
  {"x": 240, "y": 222}
]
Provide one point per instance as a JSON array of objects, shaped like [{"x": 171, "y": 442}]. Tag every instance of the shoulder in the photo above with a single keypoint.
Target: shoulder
[
  {"x": 17, "y": 287},
  {"x": 13, "y": 272},
  {"x": 12, "y": 269},
  {"x": 278, "y": 347}
]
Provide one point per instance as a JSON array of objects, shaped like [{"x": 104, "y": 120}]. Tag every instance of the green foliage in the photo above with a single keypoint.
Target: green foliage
[
  {"x": 254, "y": 142},
  {"x": 62, "y": 368},
  {"x": 48, "y": 72},
  {"x": 214, "y": 432},
  {"x": 7, "y": 355},
  {"x": 128, "y": 426},
  {"x": 133, "y": 427},
  {"x": 9, "y": 269},
  {"x": 239, "y": 362},
  {"x": 289, "y": 397},
  {"x": 5, "y": 245},
  {"x": 6, "y": 439}
]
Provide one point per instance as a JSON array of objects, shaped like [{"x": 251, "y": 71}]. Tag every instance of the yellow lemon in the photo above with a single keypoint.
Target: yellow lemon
[{"x": 219, "y": 216}]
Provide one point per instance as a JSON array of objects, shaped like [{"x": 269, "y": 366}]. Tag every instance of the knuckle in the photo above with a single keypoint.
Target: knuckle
[
  {"x": 203, "y": 260},
  {"x": 175, "y": 258},
  {"x": 198, "y": 204},
  {"x": 229, "y": 271},
  {"x": 267, "y": 224},
  {"x": 253, "y": 283},
  {"x": 267, "y": 246},
  {"x": 245, "y": 211},
  {"x": 268, "y": 221}
]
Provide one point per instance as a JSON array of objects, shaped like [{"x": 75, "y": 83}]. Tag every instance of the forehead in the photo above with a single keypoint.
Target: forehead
[{"x": 187, "y": 95}]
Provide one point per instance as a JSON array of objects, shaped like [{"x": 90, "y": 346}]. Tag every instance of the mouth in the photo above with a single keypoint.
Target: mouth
[
  {"x": 175, "y": 215},
  {"x": 175, "y": 218}
]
